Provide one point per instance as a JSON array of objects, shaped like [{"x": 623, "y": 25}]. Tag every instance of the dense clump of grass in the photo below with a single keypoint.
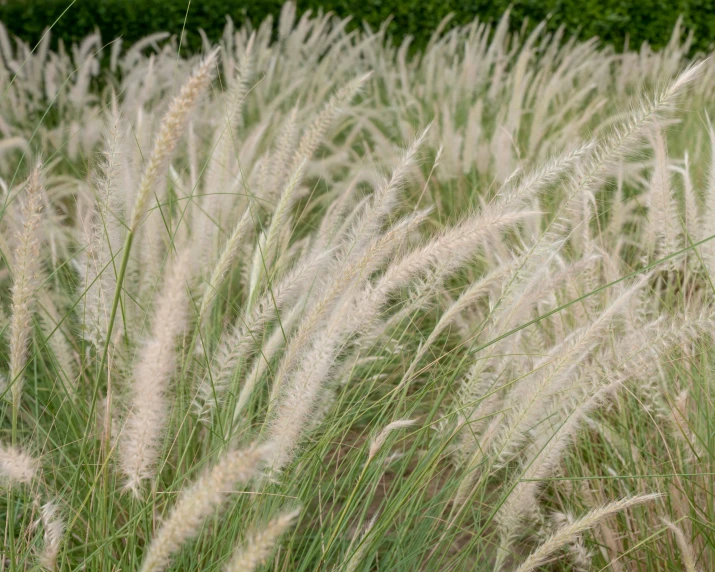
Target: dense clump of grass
[{"x": 308, "y": 303}]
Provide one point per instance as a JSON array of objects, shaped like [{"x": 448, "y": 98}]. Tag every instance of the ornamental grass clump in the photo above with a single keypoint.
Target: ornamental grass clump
[{"x": 311, "y": 301}]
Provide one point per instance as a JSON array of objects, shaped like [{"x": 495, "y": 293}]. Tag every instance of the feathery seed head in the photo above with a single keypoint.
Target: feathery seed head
[
  {"x": 26, "y": 275},
  {"x": 170, "y": 131},
  {"x": 16, "y": 466}
]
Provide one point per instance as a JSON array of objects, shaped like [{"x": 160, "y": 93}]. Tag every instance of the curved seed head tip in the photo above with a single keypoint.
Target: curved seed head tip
[
  {"x": 689, "y": 75},
  {"x": 379, "y": 441},
  {"x": 687, "y": 552}
]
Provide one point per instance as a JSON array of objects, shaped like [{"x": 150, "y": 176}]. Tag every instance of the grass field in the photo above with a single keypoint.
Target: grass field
[{"x": 311, "y": 302}]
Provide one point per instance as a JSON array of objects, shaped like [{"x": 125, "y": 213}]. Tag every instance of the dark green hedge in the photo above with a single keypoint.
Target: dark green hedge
[{"x": 612, "y": 20}]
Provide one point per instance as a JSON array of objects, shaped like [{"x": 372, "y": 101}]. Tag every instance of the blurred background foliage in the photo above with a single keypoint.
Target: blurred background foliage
[{"x": 617, "y": 22}]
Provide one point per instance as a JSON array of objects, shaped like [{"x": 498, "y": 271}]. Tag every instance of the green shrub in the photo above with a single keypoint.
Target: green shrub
[{"x": 614, "y": 21}]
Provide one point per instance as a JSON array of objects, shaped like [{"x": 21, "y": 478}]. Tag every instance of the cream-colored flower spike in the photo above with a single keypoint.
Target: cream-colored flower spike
[
  {"x": 687, "y": 553},
  {"x": 16, "y": 466},
  {"x": 54, "y": 526},
  {"x": 569, "y": 531},
  {"x": 259, "y": 545},
  {"x": 170, "y": 131},
  {"x": 199, "y": 501},
  {"x": 143, "y": 435},
  {"x": 26, "y": 274},
  {"x": 379, "y": 441}
]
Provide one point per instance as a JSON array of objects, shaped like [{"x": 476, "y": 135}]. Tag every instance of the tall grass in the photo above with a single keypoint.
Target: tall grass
[{"x": 308, "y": 302}]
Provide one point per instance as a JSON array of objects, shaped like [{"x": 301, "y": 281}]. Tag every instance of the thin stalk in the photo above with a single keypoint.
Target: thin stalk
[{"x": 115, "y": 304}]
